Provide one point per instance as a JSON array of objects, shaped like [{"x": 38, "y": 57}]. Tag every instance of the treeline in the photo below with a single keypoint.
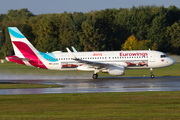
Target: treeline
[{"x": 140, "y": 27}]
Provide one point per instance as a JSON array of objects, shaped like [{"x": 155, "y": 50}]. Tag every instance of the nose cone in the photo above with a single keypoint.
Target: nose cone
[{"x": 171, "y": 61}]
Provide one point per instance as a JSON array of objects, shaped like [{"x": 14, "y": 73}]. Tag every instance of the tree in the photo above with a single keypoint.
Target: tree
[
  {"x": 46, "y": 31},
  {"x": 144, "y": 45},
  {"x": 131, "y": 43},
  {"x": 90, "y": 37},
  {"x": 173, "y": 36},
  {"x": 157, "y": 31},
  {"x": 75, "y": 27}
]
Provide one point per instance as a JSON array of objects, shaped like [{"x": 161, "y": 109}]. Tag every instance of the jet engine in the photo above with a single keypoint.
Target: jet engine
[{"x": 116, "y": 70}]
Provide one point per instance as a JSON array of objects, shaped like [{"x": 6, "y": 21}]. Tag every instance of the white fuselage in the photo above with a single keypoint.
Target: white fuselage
[{"x": 129, "y": 59}]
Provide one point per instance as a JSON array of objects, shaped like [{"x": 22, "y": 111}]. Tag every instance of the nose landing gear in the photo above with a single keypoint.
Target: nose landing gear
[{"x": 152, "y": 76}]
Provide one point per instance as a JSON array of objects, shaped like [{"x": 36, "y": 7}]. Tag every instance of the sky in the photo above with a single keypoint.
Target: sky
[{"x": 59, "y": 6}]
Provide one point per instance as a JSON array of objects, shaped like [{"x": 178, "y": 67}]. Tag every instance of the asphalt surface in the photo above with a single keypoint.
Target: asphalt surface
[{"x": 102, "y": 84}]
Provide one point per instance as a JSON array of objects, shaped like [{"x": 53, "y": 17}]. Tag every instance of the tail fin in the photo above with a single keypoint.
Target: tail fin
[
  {"x": 24, "y": 50},
  {"x": 20, "y": 43}
]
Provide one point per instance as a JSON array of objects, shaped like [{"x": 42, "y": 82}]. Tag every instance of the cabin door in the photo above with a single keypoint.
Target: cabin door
[{"x": 152, "y": 56}]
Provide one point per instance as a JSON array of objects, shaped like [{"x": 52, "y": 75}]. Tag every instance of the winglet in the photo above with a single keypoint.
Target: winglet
[
  {"x": 73, "y": 49},
  {"x": 72, "y": 56}
]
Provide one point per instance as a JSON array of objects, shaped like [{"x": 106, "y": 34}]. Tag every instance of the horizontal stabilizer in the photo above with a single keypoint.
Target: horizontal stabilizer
[{"x": 16, "y": 58}]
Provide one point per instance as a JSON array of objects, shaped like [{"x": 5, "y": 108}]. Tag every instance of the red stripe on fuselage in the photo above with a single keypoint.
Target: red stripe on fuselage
[{"x": 29, "y": 54}]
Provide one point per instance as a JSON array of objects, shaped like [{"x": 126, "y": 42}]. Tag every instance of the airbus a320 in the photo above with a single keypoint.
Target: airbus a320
[{"x": 111, "y": 62}]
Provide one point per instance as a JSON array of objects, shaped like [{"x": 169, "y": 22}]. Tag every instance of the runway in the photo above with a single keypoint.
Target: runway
[{"x": 102, "y": 84}]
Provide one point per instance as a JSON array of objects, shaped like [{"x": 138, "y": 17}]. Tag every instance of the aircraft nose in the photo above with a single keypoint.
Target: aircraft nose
[{"x": 171, "y": 61}]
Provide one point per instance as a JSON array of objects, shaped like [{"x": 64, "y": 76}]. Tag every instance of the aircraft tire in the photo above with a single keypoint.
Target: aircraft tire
[
  {"x": 95, "y": 76},
  {"x": 152, "y": 76}
]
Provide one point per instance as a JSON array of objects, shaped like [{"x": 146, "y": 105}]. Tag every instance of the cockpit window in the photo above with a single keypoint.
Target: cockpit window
[{"x": 163, "y": 56}]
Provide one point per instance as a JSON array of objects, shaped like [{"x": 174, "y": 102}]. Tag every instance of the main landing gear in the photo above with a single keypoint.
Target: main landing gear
[
  {"x": 95, "y": 75},
  {"x": 152, "y": 76}
]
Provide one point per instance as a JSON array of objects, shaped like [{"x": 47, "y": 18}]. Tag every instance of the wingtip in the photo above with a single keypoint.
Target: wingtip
[
  {"x": 71, "y": 54},
  {"x": 68, "y": 49}
]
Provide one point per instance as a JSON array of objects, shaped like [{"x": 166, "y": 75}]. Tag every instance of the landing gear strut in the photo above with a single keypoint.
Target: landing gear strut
[
  {"x": 152, "y": 76},
  {"x": 95, "y": 76}
]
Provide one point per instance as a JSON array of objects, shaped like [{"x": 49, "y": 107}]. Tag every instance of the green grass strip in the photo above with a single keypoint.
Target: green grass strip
[
  {"x": 25, "y": 85},
  {"x": 108, "y": 106}
]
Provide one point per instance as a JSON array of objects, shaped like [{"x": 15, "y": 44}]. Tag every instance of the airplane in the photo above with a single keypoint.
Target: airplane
[{"x": 112, "y": 62}]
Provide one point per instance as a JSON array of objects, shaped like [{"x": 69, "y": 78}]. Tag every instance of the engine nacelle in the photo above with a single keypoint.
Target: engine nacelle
[{"x": 116, "y": 70}]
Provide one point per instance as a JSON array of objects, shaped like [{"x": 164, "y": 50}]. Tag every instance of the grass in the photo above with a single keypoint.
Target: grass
[
  {"x": 25, "y": 85},
  {"x": 133, "y": 105}
]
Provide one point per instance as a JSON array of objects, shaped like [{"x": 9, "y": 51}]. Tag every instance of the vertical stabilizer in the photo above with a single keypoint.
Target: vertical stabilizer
[
  {"x": 20, "y": 43},
  {"x": 25, "y": 52}
]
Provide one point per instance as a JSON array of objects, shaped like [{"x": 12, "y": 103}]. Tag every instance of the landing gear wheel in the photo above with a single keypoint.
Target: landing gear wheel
[
  {"x": 95, "y": 76},
  {"x": 152, "y": 76}
]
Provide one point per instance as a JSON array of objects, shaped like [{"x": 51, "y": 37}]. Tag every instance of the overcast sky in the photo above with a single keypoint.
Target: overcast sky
[{"x": 59, "y": 6}]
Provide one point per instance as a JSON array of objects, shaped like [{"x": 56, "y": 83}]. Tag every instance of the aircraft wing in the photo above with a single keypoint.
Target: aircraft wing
[{"x": 93, "y": 63}]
